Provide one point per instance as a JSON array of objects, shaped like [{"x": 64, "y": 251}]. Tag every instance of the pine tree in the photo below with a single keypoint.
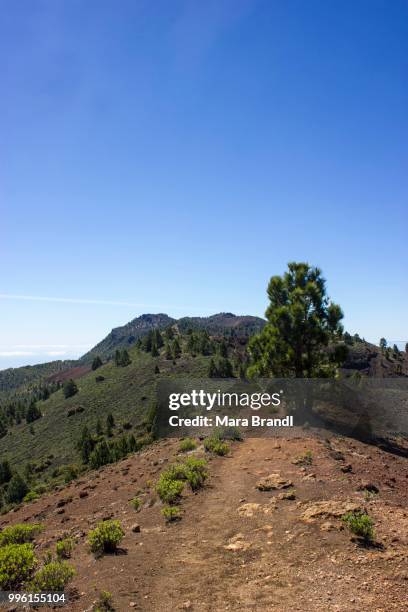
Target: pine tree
[
  {"x": 110, "y": 421},
  {"x": 223, "y": 349},
  {"x": 33, "y": 413},
  {"x": 101, "y": 455},
  {"x": 225, "y": 368},
  {"x": 3, "y": 429},
  {"x": 125, "y": 359},
  {"x": 5, "y": 472},
  {"x": 158, "y": 339},
  {"x": 70, "y": 388},
  {"x": 383, "y": 344},
  {"x": 167, "y": 351},
  {"x": 301, "y": 323},
  {"x": 85, "y": 444},
  {"x": 132, "y": 444},
  {"x": 17, "y": 489},
  {"x": 96, "y": 363},
  {"x": 156, "y": 369},
  {"x": 176, "y": 348},
  {"x": 118, "y": 358},
  {"x": 99, "y": 428},
  {"x": 169, "y": 333},
  {"x": 155, "y": 350},
  {"x": 212, "y": 369}
]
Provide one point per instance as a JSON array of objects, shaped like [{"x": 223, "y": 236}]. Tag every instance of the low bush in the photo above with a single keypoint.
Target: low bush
[
  {"x": 64, "y": 548},
  {"x": 168, "y": 488},
  {"x": 53, "y": 577},
  {"x": 214, "y": 445},
  {"x": 171, "y": 482},
  {"x": 19, "y": 534},
  {"x": 105, "y": 537},
  {"x": 104, "y": 603},
  {"x": 171, "y": 513},
  {"x": 360, "y": 524},
  {"x": 17, "y": 563},
  {"x": 305, "y": 459},
  {"x": 187, "y": 445},
  {"x": 136, "y": 503},
  {"x": 230, "y": 433},
  {"x": 31, "y": 496}
]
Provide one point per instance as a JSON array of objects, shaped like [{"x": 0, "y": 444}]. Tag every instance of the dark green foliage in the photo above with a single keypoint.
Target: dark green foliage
[
  {"x": 383, "y": 344},
  {"x": 3, "y": 429},
  {"x": 33, "y": 413},
  {"x": 223, "y": 349},
  {"x": 101, "y": 455},
  {"x": 99, "y": 428},
  {"x": 212, "y": 369},
  {"x": 70, "y": 388},
  {"x": 5, "y": 472},
  {"x": 86, "y": 445},
  {"x": 16, "y": 490},
  {"x": 122, "y": 358},
  {"x": 96, "y": 363},
  {"x": 301, "y": 323},
  {"x": 176, "y": 348},
  {"x": 221, "y": 368}
]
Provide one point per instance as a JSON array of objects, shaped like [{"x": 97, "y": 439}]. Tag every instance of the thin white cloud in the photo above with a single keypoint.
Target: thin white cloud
[
  {"x": 68, "y": 300},
  {"x": 52, "y": 346},
  {"x": 16, "y": 353}
]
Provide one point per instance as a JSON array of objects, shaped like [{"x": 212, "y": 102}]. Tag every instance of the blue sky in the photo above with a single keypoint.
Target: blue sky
[{"x": 172, "y": 156}]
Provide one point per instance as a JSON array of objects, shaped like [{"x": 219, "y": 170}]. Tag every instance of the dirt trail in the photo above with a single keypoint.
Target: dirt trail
[
  {"x": 238, "y": 548},
  {"x": 233, "y": 556}
]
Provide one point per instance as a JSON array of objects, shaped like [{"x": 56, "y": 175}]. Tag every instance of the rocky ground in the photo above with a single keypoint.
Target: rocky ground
[{"x": 264, "y": 533}]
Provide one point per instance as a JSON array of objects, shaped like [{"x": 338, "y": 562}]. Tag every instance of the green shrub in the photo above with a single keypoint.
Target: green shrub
[
  {"x": 214, "y": 445},
  {"x": 230, "y": 433},
  {"x": 17, "y": 563},
  {"x": 31, "y": 496},
  {"x": 171, "y": 482},
  {"x": 195, "y": 472},
  {"x": 104, "y": 603},
  {"x": 187, "y": 445},
  {"x": 305, "y": 459},
  {"x": 64, "y": 548},
  {"x": 360, "y": 524},
  {"x": 171, "y": 513},
  {"x": 136, "y": 503},
  {"x": 168, "y": 488},
  {"x": 105, "y": 537},
  {"x": 19, "y": 534},
  {"x": 53, "y": 576}
]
